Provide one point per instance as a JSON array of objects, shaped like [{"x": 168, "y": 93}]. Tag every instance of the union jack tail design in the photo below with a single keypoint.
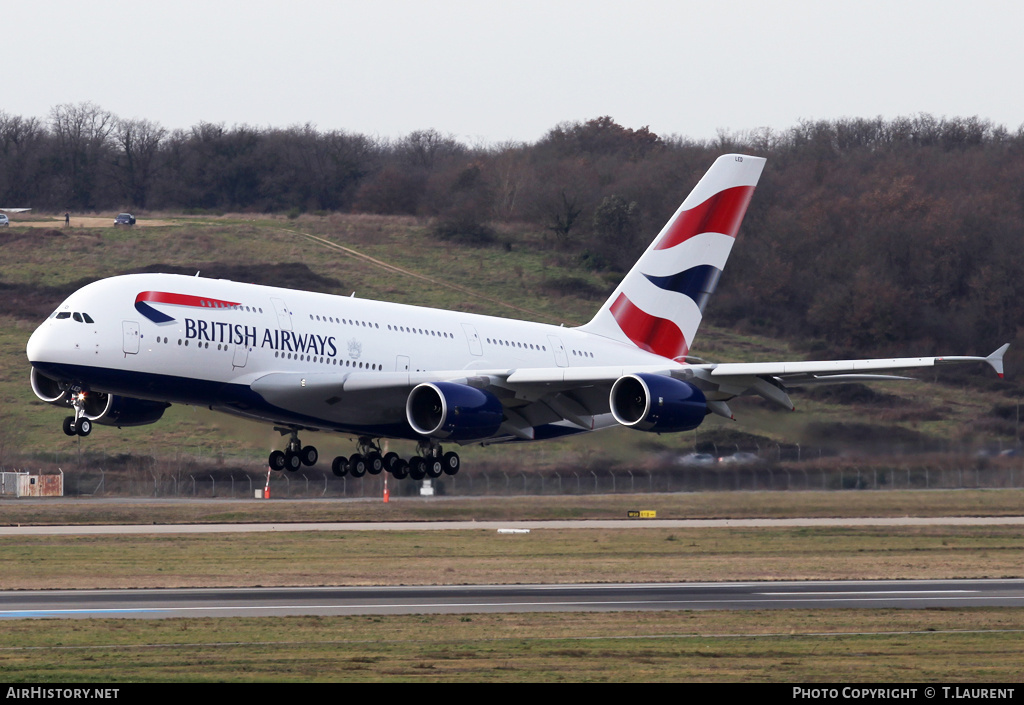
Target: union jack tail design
[{"x": 659, "y": 305}]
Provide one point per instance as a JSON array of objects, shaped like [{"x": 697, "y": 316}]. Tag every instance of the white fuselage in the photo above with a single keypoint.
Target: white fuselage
[{"x": 179, "y": 339}]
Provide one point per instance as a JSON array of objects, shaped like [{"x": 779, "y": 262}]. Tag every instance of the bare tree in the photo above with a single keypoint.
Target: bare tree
[
  {"x": 82, "y": 132},
  {"x": 22, "y": 153},
  {"x": 427, "y": 148},
  {"x": 135, "y": 162},
  {"x": 510, "y": 173}
]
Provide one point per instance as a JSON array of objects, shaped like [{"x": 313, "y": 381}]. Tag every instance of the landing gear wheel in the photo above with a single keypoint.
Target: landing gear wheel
[
  {"x": 417, "y": 468},
  {"x": 435, "y": 468},
  {"x": 83, "y": 427},
  {"x": 357, "y": 465},
  {"x": 400, "y": 469},
  {"x": 295, "y": 455},
  {"x": 451, "y": 463},
  {"x": 309, "y": 456},
  {"x": 69, "y": 426},
  {"x": 389, "y": 462},
  {"x": 374, "y": 463},
  {"x": 276, "y": 461},
  {"x": 340, "y": 466}
]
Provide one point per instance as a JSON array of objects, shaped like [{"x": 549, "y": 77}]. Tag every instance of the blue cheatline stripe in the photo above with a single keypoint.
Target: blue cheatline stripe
[
  {"x": 236, "y": 399},
  {"x": 698, "y": 283}
]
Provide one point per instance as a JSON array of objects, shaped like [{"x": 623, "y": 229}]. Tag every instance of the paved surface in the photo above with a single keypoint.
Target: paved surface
[
  {"x": 498, "y": 525},
  {"x": 250, "y": 602},
  {"x": 235, "y": 602}
]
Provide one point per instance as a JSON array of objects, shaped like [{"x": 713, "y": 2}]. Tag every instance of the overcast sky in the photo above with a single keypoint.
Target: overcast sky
[{"x": 488, "y": 72}]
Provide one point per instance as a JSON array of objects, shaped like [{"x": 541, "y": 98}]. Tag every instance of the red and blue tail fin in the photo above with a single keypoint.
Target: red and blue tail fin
[{"x": 659, "y": 304}]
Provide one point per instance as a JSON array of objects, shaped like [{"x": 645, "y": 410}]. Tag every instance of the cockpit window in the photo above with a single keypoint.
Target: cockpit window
[
  {"x": 88, "y": 318},
  {"x": 78, "y": 316},
  {"x": 64, "y": 314}
]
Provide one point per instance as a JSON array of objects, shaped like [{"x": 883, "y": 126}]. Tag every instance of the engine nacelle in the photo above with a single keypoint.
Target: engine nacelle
[
  {"x": 657, "y": 403},
  {"x": 455, "y": 411},
  {"x": 112, "y": 410},
  {"x": 49, "y": 390}
]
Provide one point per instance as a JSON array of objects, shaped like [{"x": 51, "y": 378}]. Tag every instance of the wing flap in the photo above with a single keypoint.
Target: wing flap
[
  {"x": 368, "y": 381},
  {"x": 586, "y": 375},
  {"x": 819, "y": 367}
]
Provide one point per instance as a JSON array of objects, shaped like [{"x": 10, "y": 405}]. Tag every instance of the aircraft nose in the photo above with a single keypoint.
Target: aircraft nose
[{"x": 39, "y": 343}]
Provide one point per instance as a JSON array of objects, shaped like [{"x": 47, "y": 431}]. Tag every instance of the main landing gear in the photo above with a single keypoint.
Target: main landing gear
[
  {"x": 295, "y": 456},
  {"x": 366, "y": 459},
  {"x": 431, "y": 461},
  {"x": 77, "y": 425}
]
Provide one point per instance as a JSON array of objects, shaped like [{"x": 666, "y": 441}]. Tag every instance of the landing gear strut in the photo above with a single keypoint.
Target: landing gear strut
[
  {"x": 78, "y": 425},
  {"x": 295, "y": 455}
]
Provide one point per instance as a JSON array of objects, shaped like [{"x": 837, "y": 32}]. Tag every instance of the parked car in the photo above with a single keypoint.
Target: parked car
[
  {"x": 4, "y": 220},
  {"x": 694, "y": 459},
  {"x": 124, "y": 219}
]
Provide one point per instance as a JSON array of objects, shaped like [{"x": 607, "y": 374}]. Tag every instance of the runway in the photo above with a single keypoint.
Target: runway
[
  {"x": 618, "y": 524},
  {"x": 329, "y": 601}
]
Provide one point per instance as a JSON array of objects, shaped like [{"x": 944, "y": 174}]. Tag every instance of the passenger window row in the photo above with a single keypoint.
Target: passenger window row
[
  {"x": 516, "y": 344},
  {"x": 329, "y": 361}
]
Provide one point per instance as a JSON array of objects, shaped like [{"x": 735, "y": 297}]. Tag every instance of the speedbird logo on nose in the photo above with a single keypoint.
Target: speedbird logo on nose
[{"x": 145, "y": 298}]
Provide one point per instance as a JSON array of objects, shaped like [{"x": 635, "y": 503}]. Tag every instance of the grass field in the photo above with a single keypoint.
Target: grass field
[
  {"x": 484, "y": 557},
  {"x": 859, "y": 646},
  {"x": 769, "y": 646},
  {"x": 528, "y": 278}
]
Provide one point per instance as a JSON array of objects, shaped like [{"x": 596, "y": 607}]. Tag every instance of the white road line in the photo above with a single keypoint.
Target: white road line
[
  {"x": 681, "y": 604},
  {"x": 873, "y": 592}
]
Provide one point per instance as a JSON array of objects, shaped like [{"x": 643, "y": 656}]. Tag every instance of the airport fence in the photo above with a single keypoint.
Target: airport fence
[{"x": 309, "y": 483}]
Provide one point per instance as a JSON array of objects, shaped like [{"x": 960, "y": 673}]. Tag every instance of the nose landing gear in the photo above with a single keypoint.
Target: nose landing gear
[{"x": 77, "y": 425}]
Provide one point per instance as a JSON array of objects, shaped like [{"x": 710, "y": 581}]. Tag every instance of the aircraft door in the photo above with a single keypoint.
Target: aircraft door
[
  {"x": 241, "y": 356},
  {"x": 402, "y": 363},
  {"x": 561, "y": 359},
  {"x": 284, "y": 316},
  {"x": 130, "y": 329},
  {"x": 474, "y": 339}
]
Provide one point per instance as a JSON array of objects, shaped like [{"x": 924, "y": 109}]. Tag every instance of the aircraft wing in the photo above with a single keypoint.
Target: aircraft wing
[
  {"x": 562, "y": 388},
  {"x": 537, "y": 397},
  {"x": 816, "y": 371},
  {"x": 362, "y": 398},
  {"x": 793, "y": 373},
  {"x": 771, "y": 379}
]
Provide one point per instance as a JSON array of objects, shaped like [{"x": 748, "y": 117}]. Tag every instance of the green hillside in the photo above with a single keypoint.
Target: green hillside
[{"x": 521, "y": 274}]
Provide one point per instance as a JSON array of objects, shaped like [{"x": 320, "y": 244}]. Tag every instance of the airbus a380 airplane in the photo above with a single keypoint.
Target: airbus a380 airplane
[{"x": 119, "y": 351}]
